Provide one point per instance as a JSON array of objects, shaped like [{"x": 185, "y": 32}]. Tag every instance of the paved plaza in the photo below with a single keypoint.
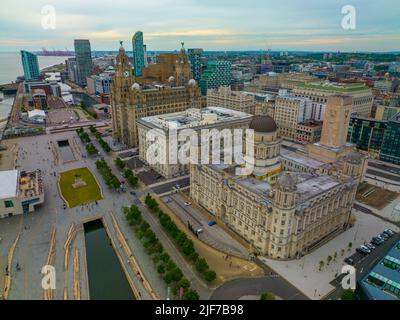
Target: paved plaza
[{"x": 304, "y": 273}]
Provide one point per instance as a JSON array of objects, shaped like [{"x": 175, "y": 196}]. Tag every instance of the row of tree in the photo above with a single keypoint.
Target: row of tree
[
  {"x": 131, "y": 178},
  {"x": 166, "y": 267},
  {"x": 109, "y": 178},
  {"x": 181, "y": 239},
  {"x": 106, "y": 147}
]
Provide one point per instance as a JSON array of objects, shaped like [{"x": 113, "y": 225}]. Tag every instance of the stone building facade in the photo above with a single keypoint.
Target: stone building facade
[
  {"x": 303, "y": 207},
  {"x": 130, "y": 101}
]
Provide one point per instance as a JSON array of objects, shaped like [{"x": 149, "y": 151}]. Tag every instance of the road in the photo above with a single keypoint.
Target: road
[
  {"x": 235, "y": 289},
  {"x": 169, "y": 186},
  {"x": 214, "y": 236}
]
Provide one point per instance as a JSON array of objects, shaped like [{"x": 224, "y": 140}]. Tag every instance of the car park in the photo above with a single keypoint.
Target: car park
[
  {"x": 370, "y": 246},
  {"x": 349, "y": 261},
  {"x": 362, "y": 251},
  {"x": 377, "y": 241},
  {"x": 384, "y": 236},
  {"x": 365, "y": 248},
  {"x": 386, "y": 232},
  {"x": 389, "y": 231}
]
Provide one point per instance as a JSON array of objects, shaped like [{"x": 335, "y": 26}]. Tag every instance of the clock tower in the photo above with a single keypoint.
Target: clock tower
[{"x": 122, "y": 82}]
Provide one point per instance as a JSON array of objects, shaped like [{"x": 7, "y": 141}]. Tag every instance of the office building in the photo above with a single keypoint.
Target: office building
[
  {"x": 131, "y": 101},
  {"x": 318, "y": 93},
  {"x": 195, "y": 119},
  {"x": 289, "y": 112},
  {"x": 195, "y": 61},
  {"x": 382, "y": 282},
  {"x": 367, "y": 134},
  {"x": 235, "y": 100},
  {"x": 218, "y": 73},
  {"x": 83, "y": 57},
  {"x": 138, "y": 50},
  {"x": 390, "y": 150},
  {"x": 30, "y": 65}
]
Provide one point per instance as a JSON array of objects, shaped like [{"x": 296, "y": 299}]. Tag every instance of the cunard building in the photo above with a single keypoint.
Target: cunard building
[
  {"x": 295, "y": 200},
  {"x": 131, "y": 101}
]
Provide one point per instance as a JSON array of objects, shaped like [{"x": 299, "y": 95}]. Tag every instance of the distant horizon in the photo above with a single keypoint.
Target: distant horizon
[
  {"x": 208, "y": 51},
  {"x": 214, "y": 25}
]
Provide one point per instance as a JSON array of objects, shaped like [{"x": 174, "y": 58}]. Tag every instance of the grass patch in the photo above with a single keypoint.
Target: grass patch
[
  {"x": 82, "y": 195},
  {"x": 374, "y": 196}
]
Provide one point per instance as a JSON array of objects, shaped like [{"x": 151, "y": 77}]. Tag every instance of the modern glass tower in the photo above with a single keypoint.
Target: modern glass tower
[
  {"x": 218, "y": 73},
  {"x": 138, "y": 53},
  {"x": 390, "y": 150},
  {"x": 195, "y": 61},
  {"x": 84, "y": 64},
  {"x": 30, "y": 65}
]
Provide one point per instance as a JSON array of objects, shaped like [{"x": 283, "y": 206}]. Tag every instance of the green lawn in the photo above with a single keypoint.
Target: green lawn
[{"x": 79, "y": 196}]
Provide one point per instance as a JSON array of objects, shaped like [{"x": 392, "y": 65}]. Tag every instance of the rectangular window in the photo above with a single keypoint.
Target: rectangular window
[{"x": 9, "y": 204}]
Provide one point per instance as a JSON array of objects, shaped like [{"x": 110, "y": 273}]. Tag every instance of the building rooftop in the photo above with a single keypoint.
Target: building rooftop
[
  {"x": 192, "y": 118},
  {"x": 383, "y": 281},
  {"x": 299, "y": 158},
  {"x": 9, "y": 184},
  {"x": 334, "y": 86}
]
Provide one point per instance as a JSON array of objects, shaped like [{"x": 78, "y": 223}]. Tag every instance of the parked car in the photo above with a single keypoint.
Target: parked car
[
  {"x": 362, "y": 251},
  {"x": 377, "y": 241},
  {"x": 384, "y": 236},
  {"x": 200, "y": 230},
  {"x": 211, "y": 223},
  {"x": 389, "y": 231},
  {"x": 133, "y": 193},
  {"x": 365, "y": 248},
  {"x": 370, "y": 246},
  {"x": 188, "y": 203},
  {"x": 381, "y": 238},
  {"x": 349, "y": 261}
]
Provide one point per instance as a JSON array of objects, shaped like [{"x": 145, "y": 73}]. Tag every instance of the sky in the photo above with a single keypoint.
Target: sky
[{"x": 282, "y": 25}]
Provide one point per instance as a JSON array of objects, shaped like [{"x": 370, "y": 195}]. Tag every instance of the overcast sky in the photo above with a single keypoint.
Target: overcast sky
[{"x": 209, "y": 24}]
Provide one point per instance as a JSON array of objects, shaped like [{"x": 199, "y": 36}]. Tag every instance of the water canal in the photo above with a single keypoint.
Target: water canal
[{"x": 107, "y": 280}]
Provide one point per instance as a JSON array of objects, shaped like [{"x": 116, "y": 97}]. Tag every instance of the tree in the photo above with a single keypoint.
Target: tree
[
  {"x": 267, "y": 296},
  {"x": 119, "y": 163},
  {"x": 184, "y": 283},
  {"x": 191, "y": 295},
  {"x": 161, "y": 269},
  {"x": 347, "y": 295},
  {"x": 329, "y": 259},
  {"x": 209, "y": 275},
  {"x": 201, "y": 265},
  {"x": 342, "y": 252},
  {"x": 350, "y": 245},
  {"x": 321, "y": 265},
  {"x": 335, "y": 255}
]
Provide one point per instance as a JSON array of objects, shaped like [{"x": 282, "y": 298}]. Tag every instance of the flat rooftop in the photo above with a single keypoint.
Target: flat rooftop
[
  {"x": 308, "y": 185},
  {"x": 192, "y": 118},
  {"x": 383, "y": 280},
  {"x": 335, "y": 86},
  {"x": 9, "y": 184},
  {"x": 299, "y": 158}
]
